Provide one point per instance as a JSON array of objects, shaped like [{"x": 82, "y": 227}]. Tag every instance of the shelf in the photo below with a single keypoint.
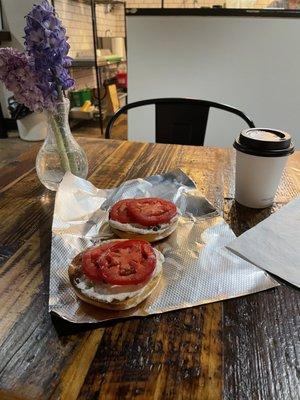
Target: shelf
[
  {"x": 100, "y": 2},
  {"x": 91, "y": 63},
  {"x": 82, "y": 63},
  {"x": 102, "y": 64},
  {"x": 76, "y": 113}
]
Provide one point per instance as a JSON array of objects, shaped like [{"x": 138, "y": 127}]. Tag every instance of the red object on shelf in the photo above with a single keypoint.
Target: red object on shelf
[{"x": 122, "y": 79}]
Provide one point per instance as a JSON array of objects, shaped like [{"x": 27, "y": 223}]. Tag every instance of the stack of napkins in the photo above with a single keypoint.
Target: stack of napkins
[{"x": 274, "y": 244}]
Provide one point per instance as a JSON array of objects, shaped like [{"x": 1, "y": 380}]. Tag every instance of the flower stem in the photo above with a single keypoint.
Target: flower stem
[
  {"x": 64, "y": 160},
  {"x": 62, "y": 128}
]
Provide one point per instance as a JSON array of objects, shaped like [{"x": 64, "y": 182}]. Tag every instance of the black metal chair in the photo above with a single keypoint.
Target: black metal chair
[{"x": 179, "y": 120}]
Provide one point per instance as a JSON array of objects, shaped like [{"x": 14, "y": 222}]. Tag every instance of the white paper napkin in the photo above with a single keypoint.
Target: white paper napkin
[{"x": 274, "y": 244}]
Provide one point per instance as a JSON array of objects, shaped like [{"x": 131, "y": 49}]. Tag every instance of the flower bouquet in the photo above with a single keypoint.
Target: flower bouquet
[{"x": 38, "y": 79}]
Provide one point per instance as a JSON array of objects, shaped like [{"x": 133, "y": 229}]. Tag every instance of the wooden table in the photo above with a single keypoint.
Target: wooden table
[{"x": 242, "y": 348}]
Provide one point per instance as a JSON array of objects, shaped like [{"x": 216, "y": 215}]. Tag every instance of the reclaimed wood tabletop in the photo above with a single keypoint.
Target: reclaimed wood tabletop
[{"x": 243, "y": 348}]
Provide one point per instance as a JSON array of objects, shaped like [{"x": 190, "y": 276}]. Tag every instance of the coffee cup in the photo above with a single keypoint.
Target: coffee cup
[{"x": 261, "y": 155}]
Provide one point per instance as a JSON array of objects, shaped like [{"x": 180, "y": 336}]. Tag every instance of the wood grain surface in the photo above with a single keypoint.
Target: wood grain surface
[{"x": 239, "y": 349}]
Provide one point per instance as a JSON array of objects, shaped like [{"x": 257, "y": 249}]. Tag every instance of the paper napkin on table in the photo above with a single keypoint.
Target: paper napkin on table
[{"x": 274, "y": 244}]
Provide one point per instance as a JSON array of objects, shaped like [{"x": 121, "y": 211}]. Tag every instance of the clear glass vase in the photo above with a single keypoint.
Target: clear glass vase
[{"x": 60, "y": 152}]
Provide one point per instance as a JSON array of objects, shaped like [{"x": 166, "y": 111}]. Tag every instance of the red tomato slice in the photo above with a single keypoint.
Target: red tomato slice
[
  {"x": 90, "y": 264},
  {"x": 89, "y": 267},
  {"x": 151, "y": 211},
  {"x": 127, "y": 262},
  {"x": 119, "y": 212}
]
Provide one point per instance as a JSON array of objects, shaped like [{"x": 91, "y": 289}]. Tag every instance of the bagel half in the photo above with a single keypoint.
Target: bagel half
[
  {"x": 152, "y": 236},
  {"x": 76, "y": 275}
]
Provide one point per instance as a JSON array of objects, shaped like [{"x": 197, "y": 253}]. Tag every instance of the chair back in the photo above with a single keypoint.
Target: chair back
[{"x": 179, "y": 120}]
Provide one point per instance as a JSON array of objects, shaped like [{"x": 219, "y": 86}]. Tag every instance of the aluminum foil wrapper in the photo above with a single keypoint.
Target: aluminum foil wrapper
[{"x": 198, "y": 269}]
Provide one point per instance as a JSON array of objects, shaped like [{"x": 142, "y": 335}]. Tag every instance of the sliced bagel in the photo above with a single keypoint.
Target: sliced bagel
[
  {"x": 152, "y": 236},
  {"x": 76, "y": 276},
  {"x": 146, "y": 218}
]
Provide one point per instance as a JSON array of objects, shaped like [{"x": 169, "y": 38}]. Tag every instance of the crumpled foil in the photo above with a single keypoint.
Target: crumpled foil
[{"x": 198, "y": 269}]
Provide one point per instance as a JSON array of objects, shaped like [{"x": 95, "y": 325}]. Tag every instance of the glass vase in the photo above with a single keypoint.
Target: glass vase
[{"x": 60, "y": 152}]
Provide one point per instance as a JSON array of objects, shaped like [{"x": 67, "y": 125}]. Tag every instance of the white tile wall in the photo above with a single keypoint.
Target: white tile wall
[
  {"x": 77, "y": 19},
  {"x": 84, "y": 77},
  {"x": 111, "y": 24}
]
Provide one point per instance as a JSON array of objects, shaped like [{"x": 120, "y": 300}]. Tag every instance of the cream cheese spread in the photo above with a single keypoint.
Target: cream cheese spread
[
  {"x": 140, "y": 228},
  {"x": 109, "y": 293}
]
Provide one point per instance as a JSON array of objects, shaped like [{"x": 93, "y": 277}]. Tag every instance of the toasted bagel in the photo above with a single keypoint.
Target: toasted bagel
[
  {"x": 152, "y": 236},
  {"x": 76, "y": 275}
]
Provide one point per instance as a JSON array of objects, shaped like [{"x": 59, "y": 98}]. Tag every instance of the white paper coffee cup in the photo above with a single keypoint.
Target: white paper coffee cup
[{"x": 261, "y": 155}]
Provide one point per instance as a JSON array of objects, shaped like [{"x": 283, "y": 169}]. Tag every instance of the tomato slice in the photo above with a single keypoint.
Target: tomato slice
[
  {"x": 151, "y": 211},
  {"x": 90, "y": 265},
  {"x": 119, "y": 211},
  {"x": 126, "y": 262}
]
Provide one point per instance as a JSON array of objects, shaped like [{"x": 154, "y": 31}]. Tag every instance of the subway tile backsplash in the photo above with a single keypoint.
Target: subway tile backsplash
[
  {"x": 77, "y": 19},
  {"x": 111, "y": 24},
  {"x": 84, "y": 77}
]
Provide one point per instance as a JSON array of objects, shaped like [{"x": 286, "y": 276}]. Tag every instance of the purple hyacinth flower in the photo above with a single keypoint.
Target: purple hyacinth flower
[
  {"x": 19, "y": 78},
  {"x": 47, "y": 47}
]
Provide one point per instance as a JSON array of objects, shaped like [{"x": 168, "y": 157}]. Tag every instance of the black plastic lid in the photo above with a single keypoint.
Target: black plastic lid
[{"x": 264, "y": 142}]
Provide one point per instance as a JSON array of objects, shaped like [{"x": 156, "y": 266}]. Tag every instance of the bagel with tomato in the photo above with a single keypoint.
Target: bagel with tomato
[
  {"x": 148, "y": 218},
  {"x": 117, "y": 275}
]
